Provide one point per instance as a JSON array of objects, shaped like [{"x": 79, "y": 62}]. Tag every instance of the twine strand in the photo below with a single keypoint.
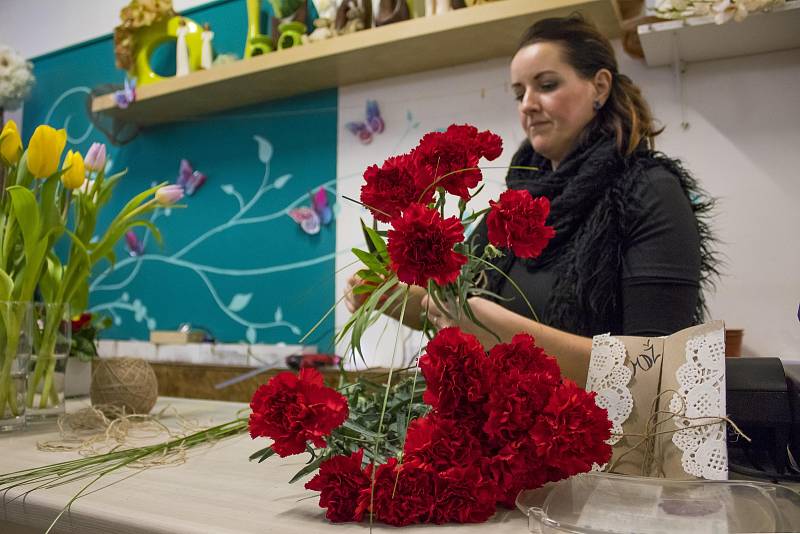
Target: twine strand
[{"x": 650, "y": 454}]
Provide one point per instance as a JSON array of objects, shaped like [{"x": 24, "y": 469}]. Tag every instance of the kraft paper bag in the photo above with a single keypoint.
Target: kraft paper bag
[{"x": 650, "y": 389}]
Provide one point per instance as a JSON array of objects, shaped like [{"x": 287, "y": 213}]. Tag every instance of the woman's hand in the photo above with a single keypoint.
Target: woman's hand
[
  {"x": 352, "y": 300},
  {"x": 487, "y": 312}
]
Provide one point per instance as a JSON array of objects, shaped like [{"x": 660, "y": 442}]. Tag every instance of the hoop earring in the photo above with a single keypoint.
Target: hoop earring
[{"x": 597, "y": 105}]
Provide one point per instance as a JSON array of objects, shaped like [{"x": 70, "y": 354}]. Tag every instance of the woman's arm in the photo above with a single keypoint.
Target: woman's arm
[{"x": 572, "y": 352}]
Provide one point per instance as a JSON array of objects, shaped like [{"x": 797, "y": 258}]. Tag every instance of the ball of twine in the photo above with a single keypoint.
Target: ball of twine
[{"x": 128, "y": 384}]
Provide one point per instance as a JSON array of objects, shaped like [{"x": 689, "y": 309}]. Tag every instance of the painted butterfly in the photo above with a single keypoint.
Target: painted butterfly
[
  {"x": 374, "y": 124},
  {"x": 126, "y": 96},
  {"x": 311, "y": 218},
  {"x": 190, "y": 179}
]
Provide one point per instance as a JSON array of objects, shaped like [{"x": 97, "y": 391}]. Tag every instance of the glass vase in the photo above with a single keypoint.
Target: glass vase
[
  {"x": 52, "y": 337},
  {"x": 15, "y": 344}
]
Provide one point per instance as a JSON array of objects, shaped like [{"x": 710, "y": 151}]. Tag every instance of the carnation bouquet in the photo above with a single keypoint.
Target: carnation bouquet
[
  {"x": 460, "y": 431},
  {"x": 475, "y": 428}
]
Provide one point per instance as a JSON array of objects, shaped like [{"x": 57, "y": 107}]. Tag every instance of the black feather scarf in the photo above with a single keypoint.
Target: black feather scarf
[{"x": 594, "y": 202}]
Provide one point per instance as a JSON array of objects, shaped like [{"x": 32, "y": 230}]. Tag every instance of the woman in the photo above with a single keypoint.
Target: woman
[{"x": 631, "y": 248}]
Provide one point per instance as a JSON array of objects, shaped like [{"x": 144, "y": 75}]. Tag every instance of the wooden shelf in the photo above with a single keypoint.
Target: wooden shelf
[
  {"x": 461, "y": 36},
  {"x": 701, "y": 39}
]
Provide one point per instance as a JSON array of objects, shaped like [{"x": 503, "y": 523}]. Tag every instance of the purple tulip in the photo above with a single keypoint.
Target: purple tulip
[
  {"x": 169, "y": 194},
  {"x": 96, "y": 157}
]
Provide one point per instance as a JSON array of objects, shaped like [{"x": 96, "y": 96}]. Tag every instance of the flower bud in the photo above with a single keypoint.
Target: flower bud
[
  {"x": 96, "y": 157},
  {"x": 74, "y": 170},
  {"x": 44, "y": 150},
  {"x": 10, "y": 143},
  {"x": 169, "y": 194}
]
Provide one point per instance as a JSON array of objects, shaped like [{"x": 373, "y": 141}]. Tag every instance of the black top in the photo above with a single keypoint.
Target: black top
[{"x": 661, "y": 260}]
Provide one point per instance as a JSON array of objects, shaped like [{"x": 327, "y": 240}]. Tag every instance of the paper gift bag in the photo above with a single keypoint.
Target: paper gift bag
[{"x": 665, "y": 397}]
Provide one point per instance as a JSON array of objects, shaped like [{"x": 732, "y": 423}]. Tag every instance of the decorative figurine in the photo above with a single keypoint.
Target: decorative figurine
[
  {"x": 143, "y": 28},
  {"x": 323, "y": 24},
  {"x": 390, "y": 11},
  {"x": 353, "y": 16},
  {"x": 257, "y": 43},
  {"x": 323, "y": 29},
  {"x": 181, "y": 50},
  {"x": 437, "y": 7},
  {"x": 289, "y": 23},
  {"x": 206, "y": 52}
]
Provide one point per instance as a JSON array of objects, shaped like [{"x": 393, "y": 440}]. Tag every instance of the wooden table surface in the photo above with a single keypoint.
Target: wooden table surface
[{"x": 217, "y": 491}]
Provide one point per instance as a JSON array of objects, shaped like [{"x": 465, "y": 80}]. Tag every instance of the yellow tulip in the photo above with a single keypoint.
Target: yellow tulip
[
  {"x": 44, "y": 150},
  {"x": 10, "y": 143},
  {"x": 75, "y": 172}
]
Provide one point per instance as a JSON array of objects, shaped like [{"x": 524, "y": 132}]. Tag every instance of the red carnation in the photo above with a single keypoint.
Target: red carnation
[
  {"x": 464, "y": 495},
  {"x": 516, "y": 221},
  {"x": 341, "y": 480},
  {"x": 440, "y": 443},
  {"x": 81, "y": 321},
  {"x": 522, "y": 354},
  {"x": 456, "y": 373},
  {"x": 570, "y": 435},
  {"x": 390, "y": 189},
  {"x": 514, "y": 468},
  {"x": 421, "y": 246},
  {"x": 295, "y": 409},
  {"x": 402, "y": 494},
  {"x": 457, "y": 149}
]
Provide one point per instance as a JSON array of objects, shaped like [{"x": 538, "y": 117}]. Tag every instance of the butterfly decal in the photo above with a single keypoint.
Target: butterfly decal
[
  {"x": 312, "y": 218},
  {"x": 373, "y": 125},
  {"x": 190, "y": 179},
  {"x": 135, "y": 247},
  {"x": 127, "y": 95}
]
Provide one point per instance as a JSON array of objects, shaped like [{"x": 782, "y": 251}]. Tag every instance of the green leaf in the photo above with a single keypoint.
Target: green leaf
[
  {"x": 80, "y": 297},
  {"x": 352, "y": 425},
  {"x": 51, "y": 276},
  {"x": 369, "y": 276},
  {"x": 6, "y": 285},
  {"x": 263, "y": 454},
  {"x": 375, "y": 242},
  {"x": 25, "y": 210},
  {"x": 48, "y": 203},
  {"x": 371, "y": 261},
  {"x": 313, "y": 466}
]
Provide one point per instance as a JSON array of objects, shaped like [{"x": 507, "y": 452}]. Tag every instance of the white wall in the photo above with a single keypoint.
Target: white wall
[
  {"x": 36, "y": 27},
  {"x": 743, "y": 143}
]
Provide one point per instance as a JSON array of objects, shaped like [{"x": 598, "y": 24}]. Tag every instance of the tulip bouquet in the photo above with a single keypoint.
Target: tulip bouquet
[{"x": 41, "y": 205}]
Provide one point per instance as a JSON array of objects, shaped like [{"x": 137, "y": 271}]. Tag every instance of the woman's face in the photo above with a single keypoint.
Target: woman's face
[{"x": 554, "y": 103}]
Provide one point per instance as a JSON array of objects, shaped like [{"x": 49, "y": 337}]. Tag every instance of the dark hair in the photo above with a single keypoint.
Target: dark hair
[{"x": 626, "y": 114}]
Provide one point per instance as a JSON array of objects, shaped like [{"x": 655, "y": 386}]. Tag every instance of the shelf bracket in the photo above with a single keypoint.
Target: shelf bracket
[{"x": 678, "y": 72}]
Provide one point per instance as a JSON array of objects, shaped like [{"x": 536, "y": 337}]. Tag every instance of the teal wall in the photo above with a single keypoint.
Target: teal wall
[{"x": 232, "y": 260}]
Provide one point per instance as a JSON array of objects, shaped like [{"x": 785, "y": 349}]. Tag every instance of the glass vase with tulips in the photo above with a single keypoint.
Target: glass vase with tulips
[{"x": 45, "y": 201}]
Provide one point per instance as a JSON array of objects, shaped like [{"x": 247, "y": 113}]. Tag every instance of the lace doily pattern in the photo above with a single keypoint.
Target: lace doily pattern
[
  {"x": 702, "y": 395},
  {"x": 609, "y": 378}
]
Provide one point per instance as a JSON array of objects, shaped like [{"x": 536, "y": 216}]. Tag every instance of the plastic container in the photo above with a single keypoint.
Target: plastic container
[{"x": 595, "y": 503}]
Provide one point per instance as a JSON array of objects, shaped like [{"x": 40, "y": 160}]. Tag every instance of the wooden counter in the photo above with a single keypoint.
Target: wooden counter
[{"x": 216, "y": 491}]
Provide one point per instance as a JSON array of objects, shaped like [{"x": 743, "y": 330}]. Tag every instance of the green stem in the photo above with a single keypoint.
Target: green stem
[
  {"x": 7, "y": 387},
  {"x": 46, "y": 360},
  {"x": 49, "y": 393}
]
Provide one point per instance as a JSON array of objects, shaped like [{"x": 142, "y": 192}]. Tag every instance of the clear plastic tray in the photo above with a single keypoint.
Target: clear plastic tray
[{"x": 595, "y": 503}]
